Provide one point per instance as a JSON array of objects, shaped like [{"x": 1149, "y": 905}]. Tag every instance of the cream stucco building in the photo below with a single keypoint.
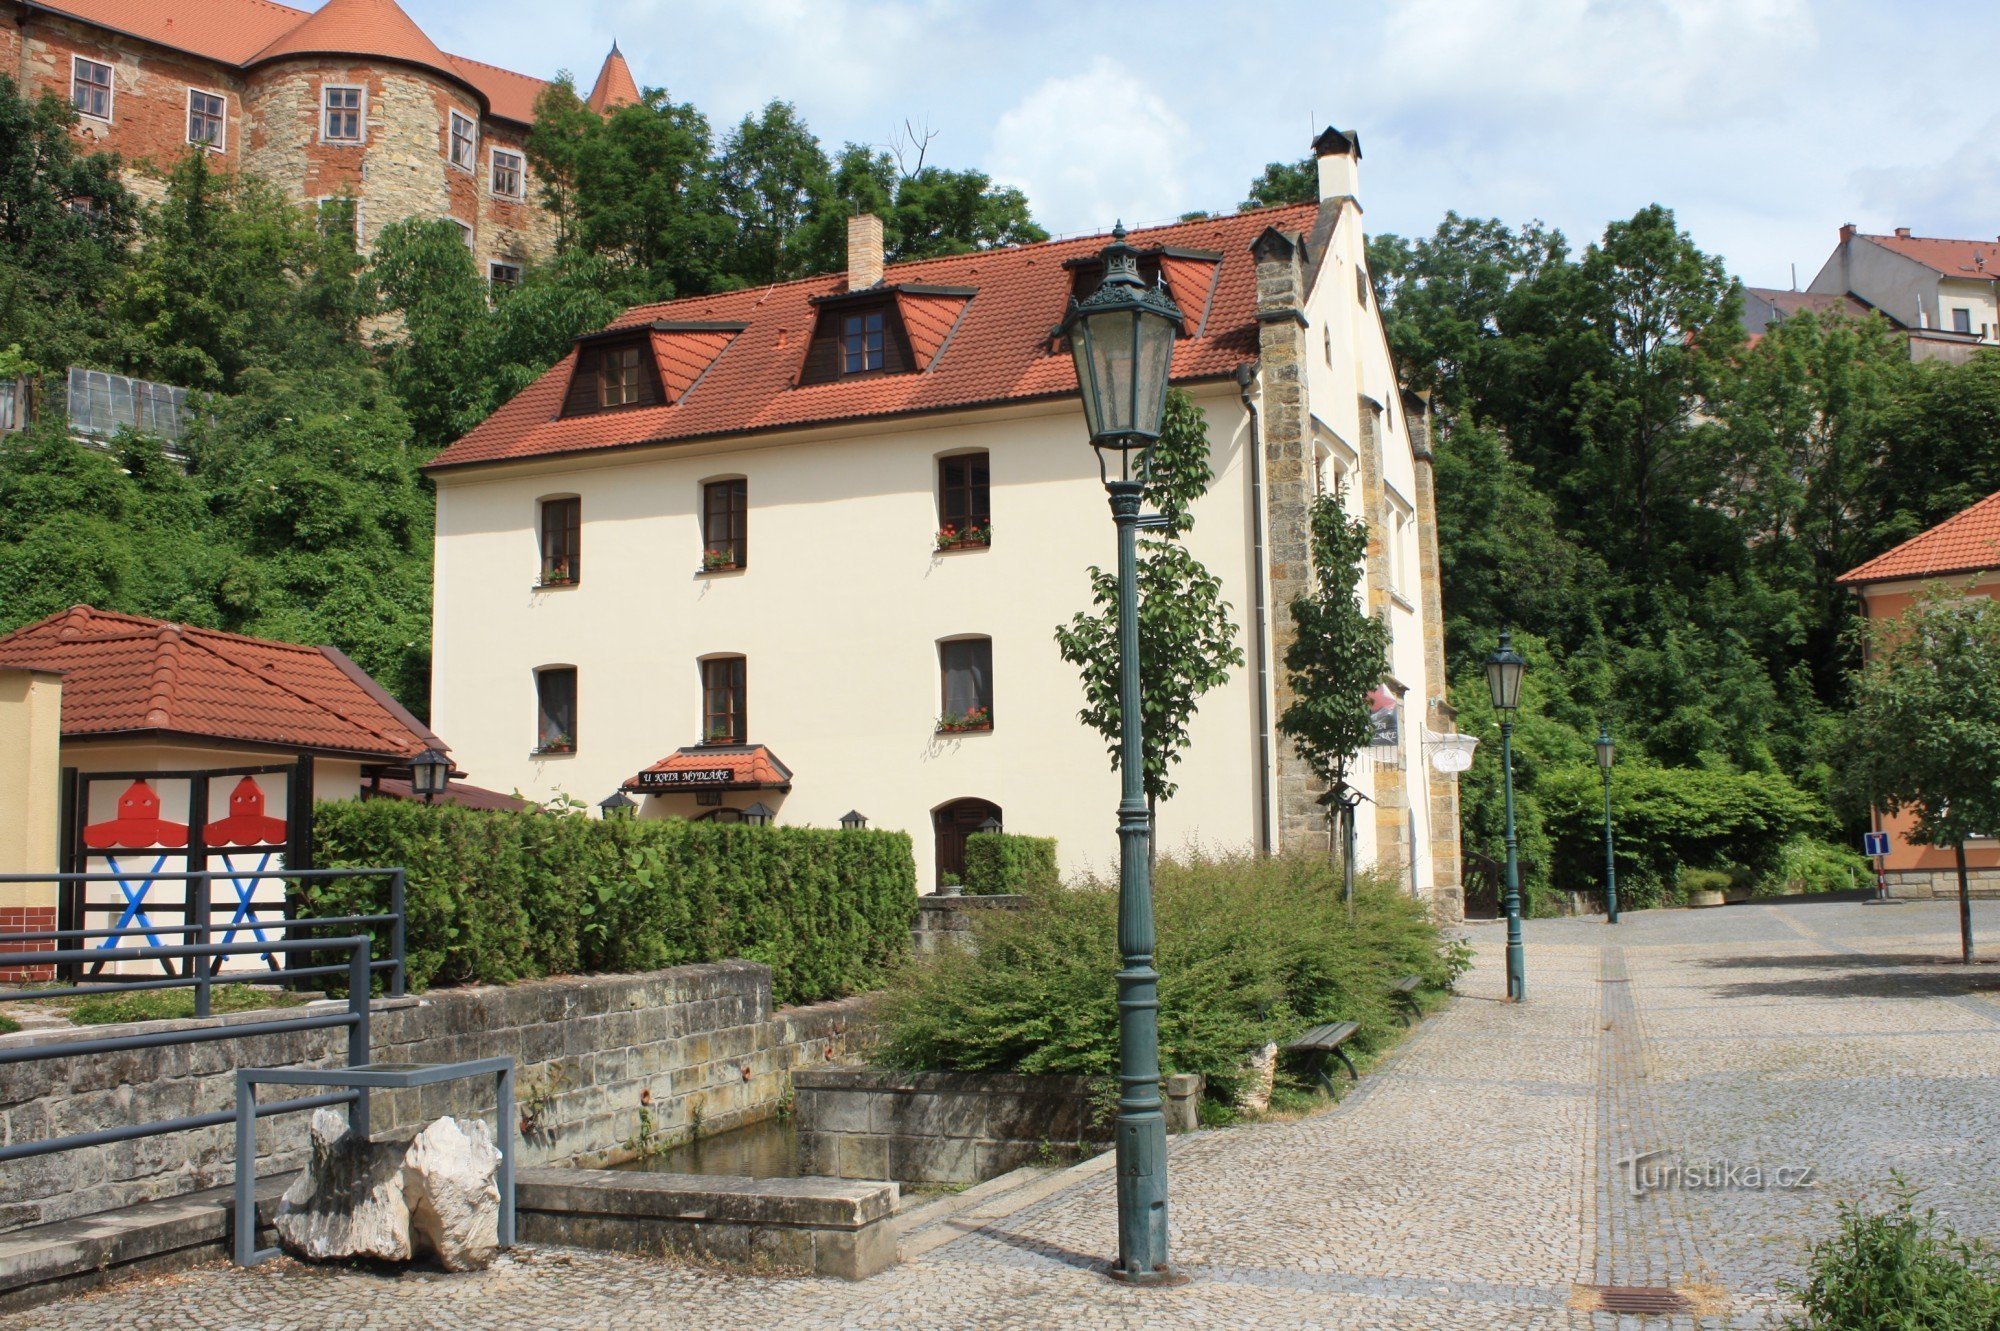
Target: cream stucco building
[{"x": 806, "y": 547}]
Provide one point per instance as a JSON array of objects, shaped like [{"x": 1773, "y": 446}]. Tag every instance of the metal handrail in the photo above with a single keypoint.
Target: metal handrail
[
  {"x": 355, "y": 1019},
  {"x": 202, "y": 927}
]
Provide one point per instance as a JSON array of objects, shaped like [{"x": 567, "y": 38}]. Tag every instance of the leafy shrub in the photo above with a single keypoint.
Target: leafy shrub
[
  {"x": 1693, "y": 881},
  {"x": 1897, "y": 1271},
  {"x": 163, "y": 1004},
  {"x": 1670, "y": 818},
  {"x": 1808, "y": 864},
  {"x": 1250, "y": 950},
  {"x": 496, "y": 896},
  {"x": 999, "y": 862}
]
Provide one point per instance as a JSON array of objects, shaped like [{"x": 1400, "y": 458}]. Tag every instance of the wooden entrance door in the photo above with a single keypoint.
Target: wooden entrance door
[{"x": 954, "y": 823}]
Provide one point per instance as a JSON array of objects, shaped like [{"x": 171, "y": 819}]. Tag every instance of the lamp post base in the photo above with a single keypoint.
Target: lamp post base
[{"x": 1165, "y": 1277}]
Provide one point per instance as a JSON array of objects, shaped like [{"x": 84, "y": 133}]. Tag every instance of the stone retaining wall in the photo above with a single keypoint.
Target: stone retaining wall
[
  {"x": 1926, "y": 884},
  {"x": 944, "y": 921},
  {"x": 951, "y": 1127},
  {"x": 605, "y": 1064}
]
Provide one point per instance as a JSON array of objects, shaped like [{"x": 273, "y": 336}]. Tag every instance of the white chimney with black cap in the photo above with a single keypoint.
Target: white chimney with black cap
[{"x": 1339, "y": 157}]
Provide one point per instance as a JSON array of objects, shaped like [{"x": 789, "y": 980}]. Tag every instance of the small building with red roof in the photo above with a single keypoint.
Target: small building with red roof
[
  {"x": 806, "y": 546},
  {"x": 1962, "y": 552},
  {"x": 350, "y": 102}
]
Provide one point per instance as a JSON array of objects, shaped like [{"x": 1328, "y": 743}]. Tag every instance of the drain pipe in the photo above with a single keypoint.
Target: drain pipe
[{"x": 1246, "y": 375}]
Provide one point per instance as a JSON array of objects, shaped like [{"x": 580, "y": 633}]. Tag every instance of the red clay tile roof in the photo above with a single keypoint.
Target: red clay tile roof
[
  {"x": 1977, "y": 259},
  {"x": 929, "y": 320},
  {"x": 1000, "y": 350},
  {"x": 684, "y": 355},
  {"x": 457, "y": 792},
  {"x": 615, "y": 86},
  {"x": 751, "y": 767},
  {"x": 244, "y": 32},
  {"x": 127, "y": 674},
  {"x": 1964, "y": 543}
]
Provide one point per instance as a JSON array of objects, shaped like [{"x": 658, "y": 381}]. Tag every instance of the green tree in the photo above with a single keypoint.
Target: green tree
[
  {"x": 647, "y": 199},
  {"x": 1284, "y": 182},
  {"x": 1923, "y": 733},
  {"x": 1187, "y": 641},
  {"x": 426, "y": 278},
  {"x": 1334, "y": 662},
  {"x": 929, "y": 212},
  {"x": 563, "y": 126},
  {"x": 771, "y": 174}
]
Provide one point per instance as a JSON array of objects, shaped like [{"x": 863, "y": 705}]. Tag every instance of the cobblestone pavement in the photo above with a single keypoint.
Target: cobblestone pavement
[{"x": 1473, "y": 1180}]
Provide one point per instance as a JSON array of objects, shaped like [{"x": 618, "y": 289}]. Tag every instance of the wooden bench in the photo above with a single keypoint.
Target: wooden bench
[
  {"x": 1320, "y": 1041},
  {"x": 1404, "y": 991}
]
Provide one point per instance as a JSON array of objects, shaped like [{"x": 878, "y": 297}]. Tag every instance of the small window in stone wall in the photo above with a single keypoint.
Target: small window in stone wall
[
  {"x": 508, "y": 174},
  {"x": 90, "y": 88},
  {"x": 341, "y": 117},
  {"x": 338, "y": 216},
  {"x": 208, "y": 119},
  {"x": 503, "y": 276},
  {"x": 464, "y": 142}
]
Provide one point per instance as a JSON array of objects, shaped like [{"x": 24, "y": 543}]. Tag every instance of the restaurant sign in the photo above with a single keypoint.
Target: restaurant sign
[{"x": 683, "y": 778}]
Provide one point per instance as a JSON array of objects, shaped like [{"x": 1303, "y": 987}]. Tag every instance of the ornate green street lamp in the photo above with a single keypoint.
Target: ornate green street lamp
[
  {"x": 1604, "y": 757},
  {"x": 1503, "y": 680},
  {"x": 1122, "y": 340}
]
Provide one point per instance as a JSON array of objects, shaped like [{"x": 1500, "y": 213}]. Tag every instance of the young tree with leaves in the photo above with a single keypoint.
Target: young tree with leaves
[
  {"x": 1187, "y": 641},
  {"x": 1334, "y": 662},
  {"x": 1923, "y": 734}
]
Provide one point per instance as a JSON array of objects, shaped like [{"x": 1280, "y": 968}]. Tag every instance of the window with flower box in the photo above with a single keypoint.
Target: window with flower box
[
  {"x": 965, "y": 666},
  {"x": 555, "y": 709},
  {"x": 725, "y": 525},
  {"x": 723, "y": 701},
  {"x": 965, "y": 510},
  {"x": 562, "y": 542}
]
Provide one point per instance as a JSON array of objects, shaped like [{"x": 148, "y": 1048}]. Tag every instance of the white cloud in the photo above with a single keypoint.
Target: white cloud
[
  {"x": 1092, "y": 147},
  {"x": 1957, "y": 194}
]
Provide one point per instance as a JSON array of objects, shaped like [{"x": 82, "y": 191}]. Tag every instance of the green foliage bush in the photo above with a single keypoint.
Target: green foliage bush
[
  {"x": 1808, "y": 864},
  {"x": 1250, "y": 950},
  {"x": 1000, "y": 862},
  {"x": 1897, "y": 1270},
  {"x": 493, "y": 897},
  {"x": 1672, "y": 818},
  {"x": 1694, "y": 881}
]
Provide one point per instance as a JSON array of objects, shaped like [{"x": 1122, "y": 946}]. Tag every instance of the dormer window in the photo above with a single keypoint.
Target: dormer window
[
  {"x": 613, "y": 374},
  {"x": 861, "y": 342},
  {"x": 854, "y": 338},
  {"x": 617, "y": 377}
]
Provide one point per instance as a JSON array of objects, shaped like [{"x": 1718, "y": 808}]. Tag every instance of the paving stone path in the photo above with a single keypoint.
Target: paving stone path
[{"x": 1476, "y": 1179}]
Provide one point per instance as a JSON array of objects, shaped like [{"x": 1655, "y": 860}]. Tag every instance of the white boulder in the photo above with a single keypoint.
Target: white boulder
[{"x": 450, "y": 1184}]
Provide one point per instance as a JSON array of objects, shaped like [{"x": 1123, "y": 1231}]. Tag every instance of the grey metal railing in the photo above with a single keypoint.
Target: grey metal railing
[{"x": 197, "y": 965}]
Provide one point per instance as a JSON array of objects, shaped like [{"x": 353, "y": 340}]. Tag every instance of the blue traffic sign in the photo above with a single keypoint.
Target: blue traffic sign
[{"x": 1875, "y": 844}]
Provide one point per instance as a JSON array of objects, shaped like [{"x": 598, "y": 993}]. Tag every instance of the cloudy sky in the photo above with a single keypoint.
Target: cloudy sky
[{"x": 1764, "y": 123}]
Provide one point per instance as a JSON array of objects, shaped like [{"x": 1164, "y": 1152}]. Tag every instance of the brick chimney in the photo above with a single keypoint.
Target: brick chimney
[
  {"x": 1338, "y": 155},
  {"x": 864, "y": 251},
  {"x": 1847, "y": 230},
  {"x": 1902, "y": 233}
]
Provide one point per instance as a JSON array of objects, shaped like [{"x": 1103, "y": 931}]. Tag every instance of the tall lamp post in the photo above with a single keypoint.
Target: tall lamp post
[
  {"x": 1503, "y": 680},
  {"x": 1604, "y": 758},
  {"x": 1122, "y": 340}
]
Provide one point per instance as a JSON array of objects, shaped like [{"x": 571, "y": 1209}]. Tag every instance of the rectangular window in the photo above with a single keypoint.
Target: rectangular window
[
  {"x": 722, "y": 701},
  {"x": 464, "y": 232},
  {"x": 464, "y": 142},
  {"x": 208, "y": 119},
  {"x": 1961, "y": 321},
  {"x": 503, "y": 276},
  {"x": 338, "y": 216},
  {"x": 90, "y": 88},
  {"x": 617, "y": 376},
  {"x": 861, "y": 342},
  {"x": 965, "y": 511},
  {"x": 562, "y": 542},
  {"x": 725, "y": 525},
  {"x": 340, "y": 115},
  {"x": 508, "y": 173},
  {"x": 555, "y": 709},
  {"x": 967, "y": 668}
]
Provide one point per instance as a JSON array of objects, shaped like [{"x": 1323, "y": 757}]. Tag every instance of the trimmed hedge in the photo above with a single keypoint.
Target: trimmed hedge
[
  {"x": 999, "y": 862},
  {"x": 496, "y": 896}
]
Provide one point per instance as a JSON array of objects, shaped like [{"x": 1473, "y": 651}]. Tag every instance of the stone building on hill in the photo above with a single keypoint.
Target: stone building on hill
[{"x": 351, "y": 102}]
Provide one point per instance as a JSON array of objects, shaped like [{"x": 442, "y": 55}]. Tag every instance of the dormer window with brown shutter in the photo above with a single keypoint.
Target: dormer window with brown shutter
[
  {"x": 857, "y": 339},
  {"x": 613, "y": 374}
]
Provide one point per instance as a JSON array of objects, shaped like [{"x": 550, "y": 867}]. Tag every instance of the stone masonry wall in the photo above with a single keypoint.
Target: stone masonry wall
[
  {"x": 1285, "y": 423},
  {"x": 1447, "y": 875},
  {"x": 601, "y": 1061},
  {"x": 1926, "y": 884}
]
